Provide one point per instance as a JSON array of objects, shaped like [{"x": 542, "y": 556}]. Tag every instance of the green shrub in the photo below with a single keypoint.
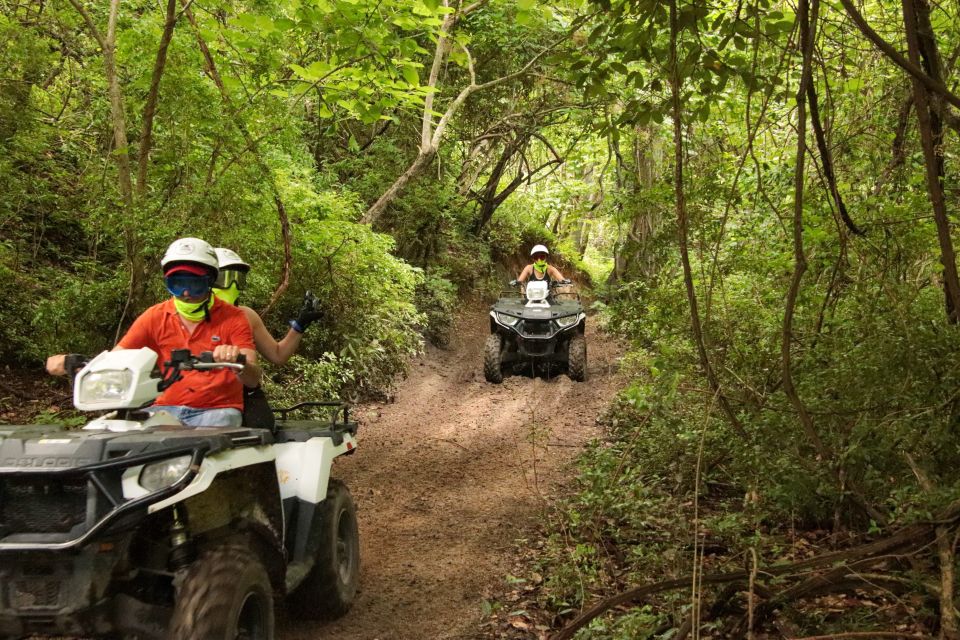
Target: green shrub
[{"x": 437, "y": 301}]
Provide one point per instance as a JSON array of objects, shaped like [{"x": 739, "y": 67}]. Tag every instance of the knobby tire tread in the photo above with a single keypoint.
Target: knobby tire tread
[
  {"x": 492, "y": 368},
  {"x": 577, "y": 364},
  {"x": 207, "y": 596}
]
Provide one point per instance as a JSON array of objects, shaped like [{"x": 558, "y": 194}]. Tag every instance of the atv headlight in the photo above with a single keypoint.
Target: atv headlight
[
  {"x": 567, "y": 321},
  {"x": 107, "y": 387},
  {"x": 504, "y": 319},
  {"x": 161, "y": 475}
]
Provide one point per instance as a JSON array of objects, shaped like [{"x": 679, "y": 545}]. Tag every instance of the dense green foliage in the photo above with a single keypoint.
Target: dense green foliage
[
  {"x": 815, "y": 385},
  {"x": 873, "y": 350},
  {"x": 309, "y": 105}
]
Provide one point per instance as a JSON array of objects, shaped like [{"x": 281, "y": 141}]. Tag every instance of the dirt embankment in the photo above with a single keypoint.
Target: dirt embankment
[{"x": 448, "y": 476}]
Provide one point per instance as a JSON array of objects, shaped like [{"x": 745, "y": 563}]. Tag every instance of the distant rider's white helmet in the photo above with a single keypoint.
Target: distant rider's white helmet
[
  {"x": 190, "y": 251},
  {"x": 229, "y": 259},
  {"x": 539, "y": 249}
]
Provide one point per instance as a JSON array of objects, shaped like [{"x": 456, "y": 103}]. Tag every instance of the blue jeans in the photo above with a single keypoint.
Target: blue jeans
[{"x": 191, "y": 417}]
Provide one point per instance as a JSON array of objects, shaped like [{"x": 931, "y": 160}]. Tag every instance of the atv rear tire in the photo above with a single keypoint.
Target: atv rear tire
[
  {"x": 492, "y": 368},
  {"x": 329, "y": 589},
  {"x": 577, "y": 363},
  {"x": 225, "y": 594}
]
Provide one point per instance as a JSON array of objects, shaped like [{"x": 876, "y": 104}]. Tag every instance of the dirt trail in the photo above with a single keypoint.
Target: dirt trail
[{"x": 448, "y": 476}]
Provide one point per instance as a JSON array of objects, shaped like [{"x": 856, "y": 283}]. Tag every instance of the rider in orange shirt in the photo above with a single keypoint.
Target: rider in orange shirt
[{"x": 194, "y": 319}]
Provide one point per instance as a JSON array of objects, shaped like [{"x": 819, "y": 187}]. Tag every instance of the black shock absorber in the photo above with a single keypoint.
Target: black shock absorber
[{"x": 181, "y": 546}]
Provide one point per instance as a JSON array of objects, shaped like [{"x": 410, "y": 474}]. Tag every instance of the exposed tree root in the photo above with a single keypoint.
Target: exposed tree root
[{"x": 863, "y": 567}]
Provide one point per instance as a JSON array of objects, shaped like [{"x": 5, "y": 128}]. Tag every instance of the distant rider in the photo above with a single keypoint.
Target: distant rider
[
  {"x": 540, "y": 271},
  {"x": 193, "y": 319}
]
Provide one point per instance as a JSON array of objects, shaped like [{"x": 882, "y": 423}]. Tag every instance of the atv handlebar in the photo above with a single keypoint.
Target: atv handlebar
[
  {"x": 73, "y": 362},
  {"x": 205, "y": 362},
  {"x": 553, "y": 283},
  {"x": 182, "y": 360}
]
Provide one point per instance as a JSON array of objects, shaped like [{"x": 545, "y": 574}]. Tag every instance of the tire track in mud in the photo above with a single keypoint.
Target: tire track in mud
[{"x": 447, "y": 476}]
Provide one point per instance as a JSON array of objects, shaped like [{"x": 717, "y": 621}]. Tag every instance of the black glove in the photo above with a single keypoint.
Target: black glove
[{"x": 309, "y": 312}]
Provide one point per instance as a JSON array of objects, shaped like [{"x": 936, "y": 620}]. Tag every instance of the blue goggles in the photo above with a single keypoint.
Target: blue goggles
[{"x": 187, "y": 285}]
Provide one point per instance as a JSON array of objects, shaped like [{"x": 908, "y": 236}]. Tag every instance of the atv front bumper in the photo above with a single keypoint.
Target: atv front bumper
[
  {"x": 537, "y": 350},
  {"x": 67, "y": 594}
]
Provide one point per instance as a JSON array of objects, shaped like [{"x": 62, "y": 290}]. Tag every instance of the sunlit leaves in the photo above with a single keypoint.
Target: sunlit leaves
[{"x": 627, "y": 56}]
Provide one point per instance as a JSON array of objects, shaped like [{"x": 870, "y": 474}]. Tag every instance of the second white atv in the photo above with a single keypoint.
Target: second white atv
[{"x": 137, "y": 527}]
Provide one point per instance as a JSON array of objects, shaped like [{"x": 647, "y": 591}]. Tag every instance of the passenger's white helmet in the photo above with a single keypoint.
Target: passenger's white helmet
[
  {"x": 229, "y": 259},
  {"x": 539, "y": 249},
  {"x": 190, "y": 251}
]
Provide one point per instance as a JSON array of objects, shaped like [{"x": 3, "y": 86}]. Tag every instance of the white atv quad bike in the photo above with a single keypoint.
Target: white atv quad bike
[
  {"x": 542, "y": 328},
  {"x": 137, "y": 527}
]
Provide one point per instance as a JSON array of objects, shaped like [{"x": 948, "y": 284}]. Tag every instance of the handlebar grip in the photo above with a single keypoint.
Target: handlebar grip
[
  {"x": 241, "y": 358},
  {"x": 73, "y": 362},
  {"x": 206, "y": 356}
]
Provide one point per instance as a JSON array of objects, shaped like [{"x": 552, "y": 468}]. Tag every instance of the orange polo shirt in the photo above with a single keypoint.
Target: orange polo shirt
[{"x": 160, "y": 329}]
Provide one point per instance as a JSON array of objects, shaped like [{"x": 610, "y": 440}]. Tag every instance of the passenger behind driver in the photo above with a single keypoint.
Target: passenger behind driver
[{"x": 232, "y": 279}]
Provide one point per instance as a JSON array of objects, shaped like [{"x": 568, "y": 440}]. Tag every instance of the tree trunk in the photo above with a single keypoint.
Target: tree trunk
[
  {"x": 681, "y": 209},
  {"x": 153, "y": 96},
  {"x": 254, "y": 145},
  {"x": 422, "y": 161},
  {"x": 121, "y": 146},
  {"x": 931, "y": 138},
  {"x": 430, "y": 135}
]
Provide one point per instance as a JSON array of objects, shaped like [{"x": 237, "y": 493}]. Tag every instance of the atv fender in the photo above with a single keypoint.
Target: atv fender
[
  {"x": 303, "y": 471},
  {"x": 303, "y": 468}
]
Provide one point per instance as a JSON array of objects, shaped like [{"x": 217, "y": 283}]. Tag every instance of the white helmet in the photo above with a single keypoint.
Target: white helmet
[
  {"x": 229, "y": 259},
  {"x": 539, "y": 249},
  {"x": 190, "y": 251}
]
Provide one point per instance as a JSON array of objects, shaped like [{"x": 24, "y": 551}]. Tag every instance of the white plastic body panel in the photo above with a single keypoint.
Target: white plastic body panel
[
  {"x": 303, "y": 468},
  {"x": 108, "y": 423},
  {"x": 143, "y": 387},
  {"x": 209, "y": 468}
]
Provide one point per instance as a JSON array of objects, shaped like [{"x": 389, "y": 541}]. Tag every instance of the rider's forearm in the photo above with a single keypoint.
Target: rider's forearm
[
  {"x": 279, "y": 352},
  {"x": 56, "y": 365},
  {"x": 288, "y": 346}
]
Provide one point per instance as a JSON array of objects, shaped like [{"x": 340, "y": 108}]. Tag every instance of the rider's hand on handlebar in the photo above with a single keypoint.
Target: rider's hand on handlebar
[
  {"x": 514, "y": 283},
  {"x": 226, "y": 353},
  {"x": 56, "y": 365}
]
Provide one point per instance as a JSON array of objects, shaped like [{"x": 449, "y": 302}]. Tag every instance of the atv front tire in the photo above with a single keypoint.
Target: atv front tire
[
  {"x": 492, "y": 368},
  {"x": 225, "y": 594},
  {"x": 329, "y": 589},
  {"x": 577, "y": 363}
]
